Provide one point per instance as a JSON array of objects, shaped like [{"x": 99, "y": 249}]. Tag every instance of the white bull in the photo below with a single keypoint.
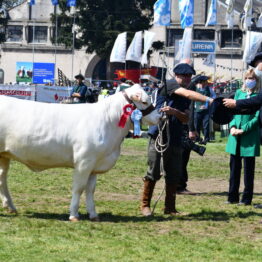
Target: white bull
[{"x": 85, "y": 137}]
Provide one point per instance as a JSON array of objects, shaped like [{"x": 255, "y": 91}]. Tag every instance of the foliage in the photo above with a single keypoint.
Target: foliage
[
  {"x": 207, "y": 229},
  {"x": 99, "y": 22}
]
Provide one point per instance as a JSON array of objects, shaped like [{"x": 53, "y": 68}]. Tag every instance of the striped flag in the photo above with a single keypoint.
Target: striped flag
[
  {"x": 134, "y": 51},
  {"x": 162, "y": 12},
  {"x": 212, "y": 14},
  {"x": 230, "y": 13},
  {"x": 118, "y": 53},
  {"x": 186, "y": 9},
  {"x": 248, "y": 13}
]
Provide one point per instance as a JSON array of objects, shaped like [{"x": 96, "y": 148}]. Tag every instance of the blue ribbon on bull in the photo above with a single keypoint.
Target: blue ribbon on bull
[{"x": 136, "y": 117}]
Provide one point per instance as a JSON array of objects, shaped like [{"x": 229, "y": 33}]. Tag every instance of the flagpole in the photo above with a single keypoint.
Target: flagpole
[
  {"x": 73, "y": 44},
  {"x": 56, "y": 32},
  {"x": 232, "y": 40}
]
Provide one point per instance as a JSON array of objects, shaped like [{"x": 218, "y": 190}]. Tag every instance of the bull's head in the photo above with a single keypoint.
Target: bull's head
[{"x": 142, "y": 101}]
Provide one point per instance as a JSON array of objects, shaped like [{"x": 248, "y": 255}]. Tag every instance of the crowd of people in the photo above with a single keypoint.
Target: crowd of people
[{"x": 186, "y": 102}]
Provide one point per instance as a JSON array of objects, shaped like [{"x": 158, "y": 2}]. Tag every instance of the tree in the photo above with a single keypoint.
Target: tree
[{"x": 100, "y": 21}]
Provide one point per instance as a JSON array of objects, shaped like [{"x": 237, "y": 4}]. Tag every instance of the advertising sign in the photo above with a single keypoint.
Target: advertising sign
[
  {"x": 24, "y": 72},
  {"x": 43, "y": 73}
]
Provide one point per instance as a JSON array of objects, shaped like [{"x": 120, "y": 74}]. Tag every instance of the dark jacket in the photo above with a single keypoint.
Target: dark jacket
[{"x": 253, "y": 104}]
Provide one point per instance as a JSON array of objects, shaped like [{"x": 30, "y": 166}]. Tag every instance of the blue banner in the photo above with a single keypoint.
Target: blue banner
[
  {"x": 54, "y": 2},
  {"x": 186, "y": 9},
  {"x": 43, "y": 73},
  {"x": 212, "y": 14},
  {"x": 162, "y": 12},
  {"x": 71, "y": 3}
]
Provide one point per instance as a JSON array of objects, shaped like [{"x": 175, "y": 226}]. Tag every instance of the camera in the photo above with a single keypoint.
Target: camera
[{"x": 194, "y": 145}]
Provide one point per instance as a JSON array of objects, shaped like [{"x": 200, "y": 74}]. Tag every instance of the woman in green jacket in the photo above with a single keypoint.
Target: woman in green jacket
[{"x": 244, "y": 143}]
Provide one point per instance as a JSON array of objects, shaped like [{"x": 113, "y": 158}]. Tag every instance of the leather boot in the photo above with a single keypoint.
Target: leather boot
[
  {"x": 149, "y": 186},
  {"x": 170, "y": 200}
]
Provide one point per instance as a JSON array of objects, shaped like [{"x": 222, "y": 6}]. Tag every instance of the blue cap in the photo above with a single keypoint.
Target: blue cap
[
  {"x": 184, "y": 69},
  {"x": 200, "y": 78}
]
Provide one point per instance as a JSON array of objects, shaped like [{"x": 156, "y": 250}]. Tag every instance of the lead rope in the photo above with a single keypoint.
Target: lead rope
[{"x": 161, "y": 147}]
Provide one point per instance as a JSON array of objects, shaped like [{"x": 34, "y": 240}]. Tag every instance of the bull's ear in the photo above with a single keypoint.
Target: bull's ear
[{"x": 136, "y": 97}]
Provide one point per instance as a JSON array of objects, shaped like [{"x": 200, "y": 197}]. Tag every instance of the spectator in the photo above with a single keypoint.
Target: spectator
[{"x": 243, "y": 143}]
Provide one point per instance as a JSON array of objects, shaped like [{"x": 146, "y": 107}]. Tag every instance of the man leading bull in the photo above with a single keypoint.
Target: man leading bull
[{"x": 177, "y": 97}]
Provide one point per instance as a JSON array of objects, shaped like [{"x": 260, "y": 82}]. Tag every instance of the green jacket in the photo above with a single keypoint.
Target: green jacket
[{"x": 250, "y": 139}]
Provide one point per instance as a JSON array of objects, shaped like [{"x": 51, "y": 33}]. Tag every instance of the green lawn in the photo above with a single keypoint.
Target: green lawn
[{"x": 207, "y": 229}]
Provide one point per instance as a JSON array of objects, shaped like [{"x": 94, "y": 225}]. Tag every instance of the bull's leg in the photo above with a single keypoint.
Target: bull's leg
[
  {"x": 4, "y": 192},
  {"x": 79, "y": 185},
  {"x": 90, "y": 203}
]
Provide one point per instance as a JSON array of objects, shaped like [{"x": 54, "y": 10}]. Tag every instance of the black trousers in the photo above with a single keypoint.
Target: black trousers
[
  {"x": 235, "y": 174},
  {"x": 183, "y": 178},
  {"x": 201, "y": 120}
]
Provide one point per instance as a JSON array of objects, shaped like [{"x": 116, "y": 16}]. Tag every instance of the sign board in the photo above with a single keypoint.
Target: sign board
[
  {"x": 204, "y": 47},
  {"x": 24, "y": 72},
  {"x": 43, "y": 73}
]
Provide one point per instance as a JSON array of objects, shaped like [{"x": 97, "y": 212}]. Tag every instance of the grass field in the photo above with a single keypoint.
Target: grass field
[{"x": 206, "y": 229}]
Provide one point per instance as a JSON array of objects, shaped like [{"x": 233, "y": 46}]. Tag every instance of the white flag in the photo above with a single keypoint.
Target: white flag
[
  {"x": 230, "y": 13},
  {"x": 210, "y": 60},
  {"x": 118, "y": 53},
  {"x": 259, "y": 21},
  {"x": 253, "y": 42},
  {"x": 248, "y": 13},
  {"x": 185, "y": 45},
  {"x": 212, "y": 14},
  {"x": 134, "y": 51},
  {"x": 148, "y": 40}
]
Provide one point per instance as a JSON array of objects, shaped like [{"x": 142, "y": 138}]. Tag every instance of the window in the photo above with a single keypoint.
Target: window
[
  {"x": 227, "y": 41},
  {"x": 37, "y": 34},
  {"x": 173, "y": 36},
  {"x": 14, "y": 33},
  {"x": 204, "y": 34}
]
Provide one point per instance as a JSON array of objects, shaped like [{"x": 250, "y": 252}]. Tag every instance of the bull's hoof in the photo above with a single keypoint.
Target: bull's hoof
[
  {"x": 74, "y": 219},
  {"x": 95, "y": 219}
]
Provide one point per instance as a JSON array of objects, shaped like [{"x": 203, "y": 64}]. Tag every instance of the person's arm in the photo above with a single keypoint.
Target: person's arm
[
  {"x": 192, "y": 95},
  {"x": 251, "y": 124}
]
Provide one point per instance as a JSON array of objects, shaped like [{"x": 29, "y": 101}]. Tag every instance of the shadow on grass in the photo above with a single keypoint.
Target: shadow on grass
[
  {"x": 208, "y": 215},
  {"x": 220, "y": 194},
  {"x": 104, "y": 217}
]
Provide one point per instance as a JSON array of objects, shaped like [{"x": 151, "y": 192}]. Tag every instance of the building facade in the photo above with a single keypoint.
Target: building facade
[
  {"x": 29, "y": 37},
  {"x": 230, "y": 43}
]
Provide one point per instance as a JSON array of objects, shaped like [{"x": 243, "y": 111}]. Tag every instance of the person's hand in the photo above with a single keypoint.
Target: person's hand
[
  {"x": 168, "y": 110},
  {"x": 233, "y": 131},
  {"x": 239, "y": 132},
  {"x": 230, "y": 103},
  {"x": 192, "y": 135},
  {"x": 236, "y": 132}
]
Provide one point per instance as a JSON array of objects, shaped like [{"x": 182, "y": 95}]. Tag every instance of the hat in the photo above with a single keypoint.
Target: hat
[
  {"x": 79, "y": 76},
  {"x": 184, "y": 69},
  {"x": 257, "y": 57},
  {"x": 219, "y": 113},
  {"x": 200, "y": 78}
]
